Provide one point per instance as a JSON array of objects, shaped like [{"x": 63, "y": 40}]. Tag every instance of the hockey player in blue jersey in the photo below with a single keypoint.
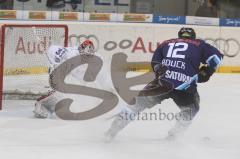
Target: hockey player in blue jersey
[{"x": 178, "y": 65}]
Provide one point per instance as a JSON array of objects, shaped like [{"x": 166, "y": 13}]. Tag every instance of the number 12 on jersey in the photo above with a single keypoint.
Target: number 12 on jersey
[{"x": 174, "y": 48}]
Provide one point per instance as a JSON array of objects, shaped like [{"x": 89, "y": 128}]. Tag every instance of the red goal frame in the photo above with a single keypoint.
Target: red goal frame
[{"x": 2, "y": 42}]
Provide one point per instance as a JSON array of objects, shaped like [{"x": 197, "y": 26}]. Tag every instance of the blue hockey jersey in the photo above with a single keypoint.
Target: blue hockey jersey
[{"x": 183, "y": 58}]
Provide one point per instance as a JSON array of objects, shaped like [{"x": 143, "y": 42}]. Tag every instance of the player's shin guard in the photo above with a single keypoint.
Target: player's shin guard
[
  {"x": 125, "y": 117},
  {"x": 120, "y": 121},
  {"x": 183, "y": 121}
]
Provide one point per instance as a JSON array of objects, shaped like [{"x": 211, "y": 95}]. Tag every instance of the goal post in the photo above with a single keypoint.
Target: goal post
[{"x": 22, "y": 55}]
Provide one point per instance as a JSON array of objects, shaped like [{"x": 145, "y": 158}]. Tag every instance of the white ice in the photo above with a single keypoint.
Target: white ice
[{"x": 214, "y": 134}]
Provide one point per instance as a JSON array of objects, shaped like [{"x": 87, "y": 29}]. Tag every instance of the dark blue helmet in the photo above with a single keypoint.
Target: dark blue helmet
[{"x": 187, "y": 33}]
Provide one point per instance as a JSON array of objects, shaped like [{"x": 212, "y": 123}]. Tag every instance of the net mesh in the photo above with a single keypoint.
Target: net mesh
[{"x": 25, "y": 60}]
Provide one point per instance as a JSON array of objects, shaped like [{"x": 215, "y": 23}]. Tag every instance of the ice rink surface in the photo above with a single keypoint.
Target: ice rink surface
[{"x": 214, "y": 134}]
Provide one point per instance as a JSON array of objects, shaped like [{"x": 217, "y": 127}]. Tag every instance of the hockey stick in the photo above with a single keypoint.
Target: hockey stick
[
  {"x": 213, "y": 61},
  {"x": 186, "y": 85}
]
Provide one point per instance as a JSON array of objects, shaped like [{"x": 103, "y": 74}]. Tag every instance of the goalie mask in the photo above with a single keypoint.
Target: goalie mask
[
  {"x": 187, "y": 33},
  {"x": 87, "y": 48}
]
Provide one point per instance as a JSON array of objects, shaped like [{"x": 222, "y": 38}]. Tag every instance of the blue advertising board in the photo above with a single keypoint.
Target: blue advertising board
[
  {"x": 229, "y": 22},
  {"x": 169, "y": 19}
]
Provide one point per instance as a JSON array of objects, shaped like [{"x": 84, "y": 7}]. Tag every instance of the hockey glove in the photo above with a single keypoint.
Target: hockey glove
[{"x": 205, "y": 73}]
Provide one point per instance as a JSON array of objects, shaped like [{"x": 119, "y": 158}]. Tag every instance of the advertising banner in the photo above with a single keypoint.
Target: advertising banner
[
  {"x": 68, "y": 16},
  {"x": 202, "y": 21},
  {"x": 230, "y": 22},
  {"x": 138, "y": 41},
  {"x": 37, "y": 15},
  {"x": 169, "y": 19},
  {"x": 8, "y": 14},
  {"x": 135, "y": 17},
  {"x": 99, "y": 17}
]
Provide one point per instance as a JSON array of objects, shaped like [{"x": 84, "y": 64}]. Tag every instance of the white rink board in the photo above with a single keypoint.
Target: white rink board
[{"x": 138, "y": 40}]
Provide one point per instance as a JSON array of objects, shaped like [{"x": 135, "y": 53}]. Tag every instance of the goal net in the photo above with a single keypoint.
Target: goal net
[{"x": 24, "y": 63}]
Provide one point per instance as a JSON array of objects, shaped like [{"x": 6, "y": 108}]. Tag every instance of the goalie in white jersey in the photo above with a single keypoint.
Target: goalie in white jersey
[{"x": 45, "y": 105}]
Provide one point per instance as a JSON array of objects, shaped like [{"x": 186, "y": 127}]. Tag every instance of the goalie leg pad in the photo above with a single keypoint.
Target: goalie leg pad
[
  {"x": 40, "y": 111},
  {"x": 45, "y": 105}
]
